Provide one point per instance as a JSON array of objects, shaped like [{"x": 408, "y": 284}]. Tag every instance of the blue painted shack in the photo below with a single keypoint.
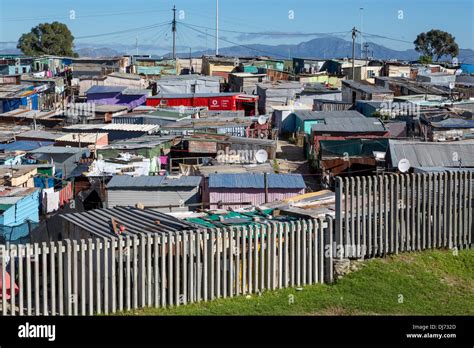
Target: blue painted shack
[
  {"x": 304, "y": 120},
  {"x": 467, "y": 68},
  {"x": 117, "y": 95},
  {"x": 14, "y": 96},
  {"x": 19, "y": 212}
]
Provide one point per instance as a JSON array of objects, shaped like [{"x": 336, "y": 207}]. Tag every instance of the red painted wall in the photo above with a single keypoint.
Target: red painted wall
[{"x": 228, "y": 102}]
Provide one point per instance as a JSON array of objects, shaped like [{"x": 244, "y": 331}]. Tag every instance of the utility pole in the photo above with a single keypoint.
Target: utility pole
[
  {"x": 190, "y": 60},
  {"x": 354, "y": 34},
  {"x": 361, "y": 30},
  {"x": 366, "y": 51},
  {"x": 174, "y": 31},
  {"x": 217, "y": 27}
]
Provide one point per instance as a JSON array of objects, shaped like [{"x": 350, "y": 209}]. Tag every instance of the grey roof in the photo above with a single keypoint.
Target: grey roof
[
  {"x": 57, "y": 149},
  {"x": 106, "y": 89},
  {"x": 373, "y": 103},
  {"x": 41, "y": 134},
  {"x": 453, "y": 123},
  {"x": 110, "y": 127},
  {"x": 441, "y": 170},
  {"x": 322, "y": 100},
  {"x": 147, "y": 182},
  {"x": 143, "y": 142},
  {"x": 321, "y": 115},
  {"x": 125, "y": 75},
  {"x": 235, "y": 168},
  {"x": 173, "y": 78},
  {"x": 137, "y": 91},
  {"x": 174, "y": 114},
  {"x": 256, "y": 180},
  {"x": 349, "y": 125},
  {"x": 136, "y": 221},
  {"x": 280, "y": 85},
  {"x": 430, "y": 154},
  {"x": 109, "y": 108},
  {"x": 365, "y": 87}
]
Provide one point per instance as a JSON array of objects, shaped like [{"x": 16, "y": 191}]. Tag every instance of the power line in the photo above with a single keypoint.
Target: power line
[
  {"x": 125, "y": 31},
  {"x": 269, "y": 33},
  {"x": 123, "y": 37},
  {"x": 234, "y": 43},
  {"x": 387, "y": 38},
  {"x": 92, "y": 15}
]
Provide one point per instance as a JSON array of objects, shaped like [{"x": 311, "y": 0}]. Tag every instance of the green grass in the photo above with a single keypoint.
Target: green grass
[{"x": 431, "y": 283}]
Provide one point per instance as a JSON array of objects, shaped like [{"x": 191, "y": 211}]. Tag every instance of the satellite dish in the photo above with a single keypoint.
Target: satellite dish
[
  {"x": 455, "y": 61},
  {"x": 261, "y": 156},
  {"x": 262, "y": 120},
  {"x": 403, "y": 165},
  {"x": 452, "y": 85}
]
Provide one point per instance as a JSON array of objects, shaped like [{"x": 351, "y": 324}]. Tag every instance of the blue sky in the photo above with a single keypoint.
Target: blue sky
[{"x": 381, "y": 17}]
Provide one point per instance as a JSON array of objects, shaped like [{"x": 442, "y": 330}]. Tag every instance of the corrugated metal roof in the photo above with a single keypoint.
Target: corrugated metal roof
[
  {"x": 428, "y": 154},
  {"x": 125, "y": 76},
  {"x": 366, "y": 88},
  {"x": 136, "y": 221},
  {"x": 57, "y": 149},
  {"x": 109, "y": 108},
  {"x": 24, "y": 145},
  {"x": 106, "y": 89},
  {"x": 319, "y": 115},
  {"x": 440, "y": 170},
  {"x": 41, "y": 134},
  {"x": 349, "y": 125},
  {"x": 330, "y": 101},
  {"x": 113, "y": 127},
  {"x": 168, "y": 79},
  {"x": 143, "y": 142},
  {"x": 254, "y": 180},
  {"x": 138, "y": 182},
  {"x": 453, "y": 123},
  {"x": 90, "y": 138},
  {"x": 131, "y": 127},
  {"x": 7, "y": 191},
  {"x": 137, "y": 91}
]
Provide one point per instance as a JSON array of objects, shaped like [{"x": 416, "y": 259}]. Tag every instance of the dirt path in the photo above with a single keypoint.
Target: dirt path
[{"x": 291, "y": 159}]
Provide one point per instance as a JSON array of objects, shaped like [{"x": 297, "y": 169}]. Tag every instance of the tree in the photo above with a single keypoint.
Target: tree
[
  {"x": 425, "y": 60},
  {"x": 47, "y": 39},
  {"x": 436, "y": 43}
]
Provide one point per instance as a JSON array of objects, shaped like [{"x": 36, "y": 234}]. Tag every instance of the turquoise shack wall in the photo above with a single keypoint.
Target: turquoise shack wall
[{"x": 13, "y": 220}]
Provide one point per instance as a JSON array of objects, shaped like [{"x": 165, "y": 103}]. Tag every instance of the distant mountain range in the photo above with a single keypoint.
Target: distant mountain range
[
  {"x": 321, "y": 48},
  {"x": 325, "y": 48}
]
